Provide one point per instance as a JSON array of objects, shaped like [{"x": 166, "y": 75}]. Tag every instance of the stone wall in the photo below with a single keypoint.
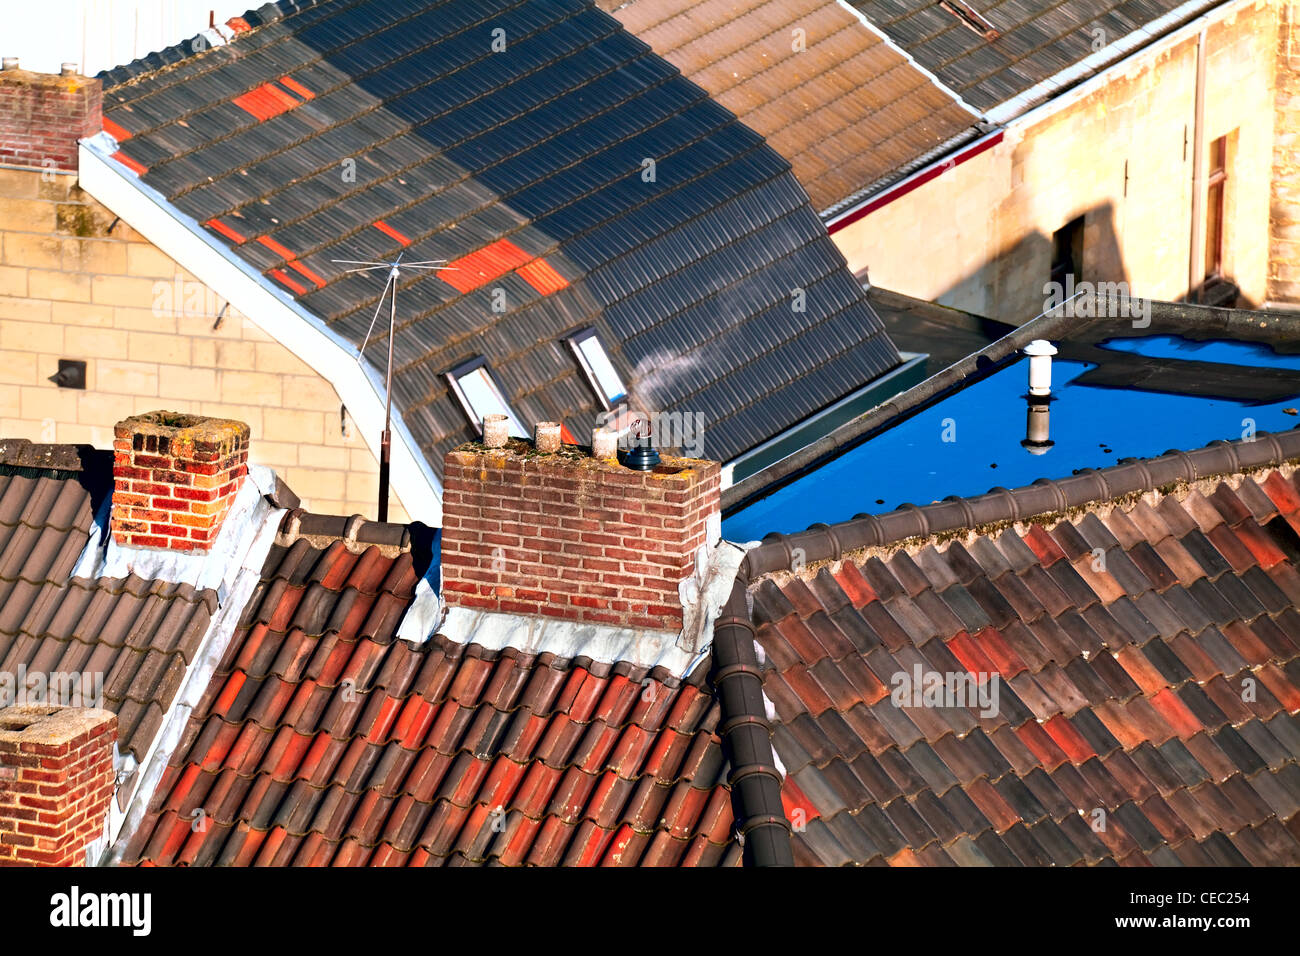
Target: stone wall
[
  {"x": 1284, "y": 219},
  {"x": 979, "y": 236},
  {"x": 77, "y": 284}
]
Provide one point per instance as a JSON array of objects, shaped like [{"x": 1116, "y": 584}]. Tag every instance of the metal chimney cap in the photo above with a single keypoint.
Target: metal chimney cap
[
  {"x": 642, "y": 458},
  {"x": 1040, "y": 347},
  {"x": 9, "y": 63}
]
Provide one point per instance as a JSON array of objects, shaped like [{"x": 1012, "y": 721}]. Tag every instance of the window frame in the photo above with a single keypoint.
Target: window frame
[
  {"x": 576, "y": 340},
  {"x": 1216, "y": 208},
  {"x": 470, "y": 367}
]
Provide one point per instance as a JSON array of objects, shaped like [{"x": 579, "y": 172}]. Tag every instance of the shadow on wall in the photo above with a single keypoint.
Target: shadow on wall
[{"x": 1014, "y": 286}]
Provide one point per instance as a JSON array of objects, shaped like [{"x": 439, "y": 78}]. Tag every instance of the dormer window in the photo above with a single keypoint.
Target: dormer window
[
  {"x": 601, "y": 374},
  {"x": 480, "y": 394}
]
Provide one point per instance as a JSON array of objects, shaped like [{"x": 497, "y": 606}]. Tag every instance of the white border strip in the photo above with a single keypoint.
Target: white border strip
[
  {"x": 1107, "y": 61},
  {"x": 1003, "y": 118},
  {"x": 360, "y": 387}
]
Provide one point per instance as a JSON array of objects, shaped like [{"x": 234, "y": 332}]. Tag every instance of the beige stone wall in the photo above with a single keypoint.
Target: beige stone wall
[
  {"x": 979, "y": 236},
  {"x": 70, "y": 288},
  {"x": 1284, "y": 232}
]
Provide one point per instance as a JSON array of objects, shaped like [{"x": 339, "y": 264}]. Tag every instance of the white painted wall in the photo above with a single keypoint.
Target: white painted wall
[{"x": 101, "y": 34}]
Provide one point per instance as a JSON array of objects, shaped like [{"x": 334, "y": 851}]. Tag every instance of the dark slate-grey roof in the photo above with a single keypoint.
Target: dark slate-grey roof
[
  {"x": 1036, "y": 38},
  {"x": 537, "y": 154},
  {"x": 130, "y": 638}
]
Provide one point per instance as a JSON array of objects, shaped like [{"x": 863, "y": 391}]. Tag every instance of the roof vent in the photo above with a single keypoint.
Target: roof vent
[{"x": 970, "y": 18}]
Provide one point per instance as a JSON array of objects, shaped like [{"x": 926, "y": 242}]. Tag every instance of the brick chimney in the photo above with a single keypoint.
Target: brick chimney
[
  {"x": 42, "y": 116},
  {"x": 56, "y": 781},
  {"x": 174, "y": 479},
  {"x": 570, "y": 536}
]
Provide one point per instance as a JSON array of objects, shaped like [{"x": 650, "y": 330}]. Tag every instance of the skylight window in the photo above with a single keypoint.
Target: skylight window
[
  {"x": 601, "y": 374},
  {"x": 479, "y": 394}
]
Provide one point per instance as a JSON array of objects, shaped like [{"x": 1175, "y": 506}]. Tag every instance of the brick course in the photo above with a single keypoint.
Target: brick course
[
  {"x": 565, "y": 535},
  {"x": 56, "y": 781},
  {"x": 175, "y": 477},
  {"x": 43, "y": 116}
]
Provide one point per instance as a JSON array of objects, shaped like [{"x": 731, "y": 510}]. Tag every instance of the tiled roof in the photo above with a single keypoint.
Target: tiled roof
[
  {"x": 137, "y": 635},
  {"x": 1036, "y": 38},
  {"x": 1146, "y": 652},
  {"x": 324, "y": 740},
  {"x": 525, "y": 168},
  {"x": 846, "y": 108}
]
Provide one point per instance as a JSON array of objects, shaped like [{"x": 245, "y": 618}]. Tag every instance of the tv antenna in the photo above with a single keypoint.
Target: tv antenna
[{"x": 394, "y": 269}]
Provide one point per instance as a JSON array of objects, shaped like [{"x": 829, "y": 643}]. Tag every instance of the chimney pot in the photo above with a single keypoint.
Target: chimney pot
[
  {"x": 496, "y": 429},
  {"x": 546, "y": 437},
  {"x": 604, "y": 443},
  {"x": 175, "y": 477},
  {"x": 9, "y": 63},
  {"x": 68, "y": 69}
]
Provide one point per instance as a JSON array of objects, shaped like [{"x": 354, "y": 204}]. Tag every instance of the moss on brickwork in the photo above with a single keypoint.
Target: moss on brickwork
[{"x": 182, "y": 434}]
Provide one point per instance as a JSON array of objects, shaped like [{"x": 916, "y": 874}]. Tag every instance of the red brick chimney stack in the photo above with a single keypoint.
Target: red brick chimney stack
[
  {"x": 42, "y": 116},
  {"x": 175, "y": 477},
  {"x": 570, "y": 536},
  {"x": 56, "y": 782}
]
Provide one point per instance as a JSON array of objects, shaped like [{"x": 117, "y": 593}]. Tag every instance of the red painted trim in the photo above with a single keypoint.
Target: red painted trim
[
  {"x": 284, "y": 277},
  {"x": 265, "y": 102},
  {"x": 541, "y": 276},
  {"x": 284, "y": 251},
  {"x": 119, "y": 133},
  {"x": 219, "y": 226},
  {"x": 289, "y": 101},
  {"x": 388, "y": 230},
  {"x": 479, "y": 268},
  {"x": 919, "y": 179},
  {"x": 301, "y": 269},
  {"x": 289, "y": 83},
  {"x": 135, "y": 167}
]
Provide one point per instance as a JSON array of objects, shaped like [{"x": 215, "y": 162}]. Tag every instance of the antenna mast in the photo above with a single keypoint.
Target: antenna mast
[{"x": 394, "y": 269}]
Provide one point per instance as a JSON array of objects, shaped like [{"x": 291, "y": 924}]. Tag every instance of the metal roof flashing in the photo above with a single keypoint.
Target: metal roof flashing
[
  {"x": 233, "y": 568},
  {"x": 252, "y": 521},
  {"x": 425, "y": 615},
  {"x": 679, "y": 652}
]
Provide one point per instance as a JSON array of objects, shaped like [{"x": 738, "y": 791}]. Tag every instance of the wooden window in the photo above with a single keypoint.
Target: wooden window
[{"x": 1214, "y": 207}]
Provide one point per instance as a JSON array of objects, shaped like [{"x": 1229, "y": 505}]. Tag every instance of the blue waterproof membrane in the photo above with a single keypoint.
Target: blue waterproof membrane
[
  {"x": 984, "y": 424},
  {"x": 1255, "y": 355}
]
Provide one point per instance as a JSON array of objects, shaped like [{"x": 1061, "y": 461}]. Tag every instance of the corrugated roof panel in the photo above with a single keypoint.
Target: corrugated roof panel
[{"x": 526, "y": 166}]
